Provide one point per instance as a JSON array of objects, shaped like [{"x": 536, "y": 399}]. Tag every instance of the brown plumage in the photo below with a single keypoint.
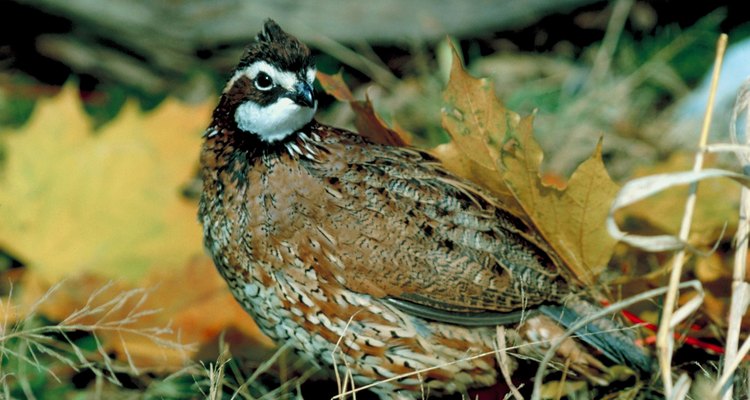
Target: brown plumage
[{"x": 326, "y": 238}]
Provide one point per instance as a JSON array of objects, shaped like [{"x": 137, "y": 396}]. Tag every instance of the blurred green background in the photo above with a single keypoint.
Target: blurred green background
[
  {"x": 628, "y": 71},
  {"x": 589, "y": 68}
]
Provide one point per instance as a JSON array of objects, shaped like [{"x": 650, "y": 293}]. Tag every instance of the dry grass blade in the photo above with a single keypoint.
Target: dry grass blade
[
  {"x": 374, "y": 69},
  {"x": 502, "y": 361},
  {"x": 26, "y": 343},
  {"x": 740, "y": 300},
  {"x": 681, "y": 388},
  {"x": 665, "y": 334},
  {"x": 286, "y": 386},
  {"x": 641, "y": 188},
  {"x": 348, "y": 379},
  {"x": 609, "y": 43},
  {"x": 740, "y": 288},
  {"x": 216, "y": 374},
  {"x": 741, "y": 150},
  {"x": 222, "y": 376}
]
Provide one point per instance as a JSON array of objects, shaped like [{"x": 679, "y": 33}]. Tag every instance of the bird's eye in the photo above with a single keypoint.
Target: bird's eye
[{"x": 263, "y": 81}]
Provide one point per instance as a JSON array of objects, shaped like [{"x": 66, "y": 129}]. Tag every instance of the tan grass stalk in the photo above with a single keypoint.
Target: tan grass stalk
[
  {"x": 342, "y": 386},
  {"x": 615, "y": 26},
  {"x": 665, "y": 334},
  {"x": 740, "y": 288},
  {"x": 32, "y": 340},
  {"x": 216, "y": 374},
  {"x": 502, "y": 361}
]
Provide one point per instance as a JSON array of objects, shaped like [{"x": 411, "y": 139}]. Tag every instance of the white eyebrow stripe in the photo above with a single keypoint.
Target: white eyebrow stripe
[
  {"x": 311, "y": 75},
  {"x": 284, "y": 79}
]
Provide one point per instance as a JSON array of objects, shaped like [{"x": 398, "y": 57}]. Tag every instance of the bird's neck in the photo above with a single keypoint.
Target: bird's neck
[{"x": 229, "y": 153}]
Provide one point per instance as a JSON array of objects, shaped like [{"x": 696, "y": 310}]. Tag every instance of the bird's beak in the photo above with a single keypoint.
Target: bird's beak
[{"x": 303, "y": 94}]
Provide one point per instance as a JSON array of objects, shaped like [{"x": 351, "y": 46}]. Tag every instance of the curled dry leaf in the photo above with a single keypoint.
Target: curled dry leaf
[
  {"x": 715, "y": 209},
  {"x": 639, "y": 189},
  {"x": 367, "y": 121}
]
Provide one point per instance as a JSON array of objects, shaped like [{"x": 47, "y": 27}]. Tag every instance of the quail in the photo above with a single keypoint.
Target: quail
[{"x": 370, "y": 258}]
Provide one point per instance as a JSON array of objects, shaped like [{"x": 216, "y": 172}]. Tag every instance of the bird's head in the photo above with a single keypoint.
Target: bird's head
[{"x": 270, "y": 94}]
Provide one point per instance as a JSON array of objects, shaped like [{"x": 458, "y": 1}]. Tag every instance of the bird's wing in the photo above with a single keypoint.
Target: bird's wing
[{"x": 398, "y": 226}]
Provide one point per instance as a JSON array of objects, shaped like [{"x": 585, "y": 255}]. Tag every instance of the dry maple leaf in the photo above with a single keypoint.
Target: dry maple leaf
[
  {"x": 478, "y": 125},
  {"x": 571, "y": 220},
  {"x": 495, "y": 148},
  {"x": 105, "y": 202}
]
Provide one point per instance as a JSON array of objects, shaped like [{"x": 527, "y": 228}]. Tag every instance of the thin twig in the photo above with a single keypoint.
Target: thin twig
[
  {"x": 664, "y": 336},
  {"x": 376, "y": 72},
  {"x": 609, "y": 43}
]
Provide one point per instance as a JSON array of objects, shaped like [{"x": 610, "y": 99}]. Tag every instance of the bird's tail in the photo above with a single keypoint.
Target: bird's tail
[{"x": 607, "y": 335}]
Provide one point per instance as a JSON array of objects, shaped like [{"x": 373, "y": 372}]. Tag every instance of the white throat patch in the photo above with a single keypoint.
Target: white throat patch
[{"x": 277, "y": 120}]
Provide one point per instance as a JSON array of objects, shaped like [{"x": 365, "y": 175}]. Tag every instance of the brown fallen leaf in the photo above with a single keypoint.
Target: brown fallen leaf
[
  {"x": 335, "y": 86},
  {"x": 369, "y": 124},
  {"x": 711, "y": 268}
]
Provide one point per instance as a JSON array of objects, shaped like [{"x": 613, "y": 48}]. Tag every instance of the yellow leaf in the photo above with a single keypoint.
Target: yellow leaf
[
  {"x": 106, "y": 202},
  {"x": 571, "y": 220},
  {"x": 478, "y": 123}
]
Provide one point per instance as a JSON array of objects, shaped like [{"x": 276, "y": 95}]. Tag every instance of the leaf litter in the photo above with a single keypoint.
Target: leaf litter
[{"x": 490, "y": 145}]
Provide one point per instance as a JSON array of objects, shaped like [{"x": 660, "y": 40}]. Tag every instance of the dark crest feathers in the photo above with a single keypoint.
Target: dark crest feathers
[
  {"x": 279, "y": 48},
  {"x": 271, "y": 31}
]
